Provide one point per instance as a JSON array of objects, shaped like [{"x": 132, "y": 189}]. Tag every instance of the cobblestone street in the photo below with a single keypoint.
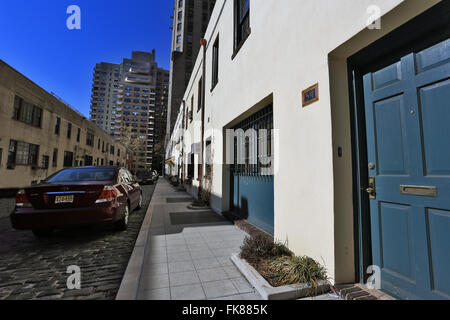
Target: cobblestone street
[{"x": 33, "y": 268}]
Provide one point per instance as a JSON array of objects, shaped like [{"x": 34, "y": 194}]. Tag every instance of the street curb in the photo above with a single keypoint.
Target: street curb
[
  {"x": 267, "y": 292},
  {"x": 130, "y": 282}
]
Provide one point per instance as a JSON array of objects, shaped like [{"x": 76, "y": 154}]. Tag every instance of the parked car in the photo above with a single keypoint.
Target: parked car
[
  {"x": 78, "y": 196},
  {"x": 155, "y": 175},
  {"x": 145, "y": 178}
]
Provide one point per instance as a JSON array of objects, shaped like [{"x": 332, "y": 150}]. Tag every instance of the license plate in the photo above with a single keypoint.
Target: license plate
[{"x": 63, "y": 199}]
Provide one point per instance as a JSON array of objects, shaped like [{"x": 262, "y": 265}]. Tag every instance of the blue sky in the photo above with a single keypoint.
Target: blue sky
[{"x": 36, "y": 42}]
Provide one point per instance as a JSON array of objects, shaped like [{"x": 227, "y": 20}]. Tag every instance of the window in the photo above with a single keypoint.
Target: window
[
  {"x": 242, "y": 22},
  {"x": 253, "y": 153},
  {"x": 208, "y": 159},
  {"x": 200, "y": 91},
  {"x": 58, "y": 125},
  {"x": 69, "y": 130},
  {"x": 22, "y": 153},
  {"x": 78, "y": 135},
  {"x": 179, "y": 27},
  {"x": 191, "y": 113},
  {"x": 45, "y": 162},
  {"x": 55, "y": 158},
  {"x": 27, "y": 112},
  {"x": 190, "y": 173},
  {"x": 88, "y": 160},
  {"x": 37, "y": 116},
  {"x": 180, "y": 15},
  {"x": 90, "y": 139},
  {"x": 68, "y": 159},
  {"x": 180, "y": 3},
  {"x": 12, "y": 151},
  {"x": 179, "y": 39},
  {"x": 34, "y": 154},
  {"x": 215, "y": 61},
  {"x": 1, "y": 155},
  {"x": 83, "y": 174}
]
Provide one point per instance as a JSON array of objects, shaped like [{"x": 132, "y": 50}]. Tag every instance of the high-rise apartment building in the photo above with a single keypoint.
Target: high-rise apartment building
[
  {"x": 133, "y": 95},
  {"x": 190, "y": 20}
]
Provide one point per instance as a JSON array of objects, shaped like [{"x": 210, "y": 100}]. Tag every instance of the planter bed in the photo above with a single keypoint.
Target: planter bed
[{"x": 289, "y": 292}]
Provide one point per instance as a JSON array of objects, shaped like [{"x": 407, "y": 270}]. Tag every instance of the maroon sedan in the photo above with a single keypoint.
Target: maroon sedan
[{"x": 78, "y": 196}]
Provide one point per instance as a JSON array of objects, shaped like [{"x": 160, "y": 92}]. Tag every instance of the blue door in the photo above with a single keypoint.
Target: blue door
[{"x": 407, "y": 108}]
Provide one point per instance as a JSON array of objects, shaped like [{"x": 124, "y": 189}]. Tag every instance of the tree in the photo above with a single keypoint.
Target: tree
[
  {"x": 159, "y": 156},
  {"x": 132, "y": 140}
]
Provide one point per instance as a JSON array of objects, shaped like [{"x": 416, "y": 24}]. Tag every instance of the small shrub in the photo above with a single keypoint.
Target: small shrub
[
  {"x": 260, "y": 247},
  {"x": 289, "y": 270}
]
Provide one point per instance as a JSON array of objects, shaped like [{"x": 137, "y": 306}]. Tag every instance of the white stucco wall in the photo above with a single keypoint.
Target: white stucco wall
[{"x": 287, "y": 51}]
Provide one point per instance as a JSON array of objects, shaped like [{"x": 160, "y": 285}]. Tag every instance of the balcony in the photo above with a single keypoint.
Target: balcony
[
  {"x": 139, "y": 70},
  {"x": 138, "y": 80}
]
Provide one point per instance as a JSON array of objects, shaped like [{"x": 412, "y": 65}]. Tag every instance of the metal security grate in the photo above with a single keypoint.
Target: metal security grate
[{"x": 253, "y": 148}]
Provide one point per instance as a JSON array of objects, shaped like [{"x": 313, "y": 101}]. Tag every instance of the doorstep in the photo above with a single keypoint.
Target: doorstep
[{"x": 359, "y": 292}]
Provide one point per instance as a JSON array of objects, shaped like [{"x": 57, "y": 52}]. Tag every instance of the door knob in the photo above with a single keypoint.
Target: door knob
[{"x": 370, "y": 190}]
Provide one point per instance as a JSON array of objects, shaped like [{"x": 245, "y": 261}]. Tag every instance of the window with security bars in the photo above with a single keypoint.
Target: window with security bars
[
  {"x": 22, "y": 153},
  {"x": 253, "y": 144},
  {"x": 26, "y": 112}
]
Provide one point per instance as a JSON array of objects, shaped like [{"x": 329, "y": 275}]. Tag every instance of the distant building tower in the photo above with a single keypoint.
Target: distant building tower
[
  {"x": 133, "y": 94},
  {"x": 190, "y": 20}
]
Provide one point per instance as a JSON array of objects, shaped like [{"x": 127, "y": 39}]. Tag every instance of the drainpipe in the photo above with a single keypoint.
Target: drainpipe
[
  {"x": 182, "y": 129},
  {"x": 203, "y": 43}
]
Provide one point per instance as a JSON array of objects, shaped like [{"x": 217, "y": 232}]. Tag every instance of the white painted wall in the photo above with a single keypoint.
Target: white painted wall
[{"x": 287, "y": 51}]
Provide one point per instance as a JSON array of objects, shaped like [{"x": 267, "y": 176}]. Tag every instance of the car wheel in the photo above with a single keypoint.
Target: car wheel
[
  {"x": 122, "y": 224},
  {"x": 141, "y": 202},
  {"x": 42, "y": 232}
]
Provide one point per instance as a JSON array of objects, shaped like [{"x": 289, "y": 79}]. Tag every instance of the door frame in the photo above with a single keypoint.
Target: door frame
[{"x": 424, "y": 31}]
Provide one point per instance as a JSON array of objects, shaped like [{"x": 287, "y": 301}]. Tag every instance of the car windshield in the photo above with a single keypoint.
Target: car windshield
[
  {"x": 83, "y": 174},
  {"x": 144, "y": 175}
]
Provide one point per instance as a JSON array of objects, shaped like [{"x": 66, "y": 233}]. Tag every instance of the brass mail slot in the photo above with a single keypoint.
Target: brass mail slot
[{"x": 418, "y": 191}]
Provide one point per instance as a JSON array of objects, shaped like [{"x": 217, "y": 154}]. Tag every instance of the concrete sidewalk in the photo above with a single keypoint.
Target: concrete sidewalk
[{"x": 183, "y": 254}]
